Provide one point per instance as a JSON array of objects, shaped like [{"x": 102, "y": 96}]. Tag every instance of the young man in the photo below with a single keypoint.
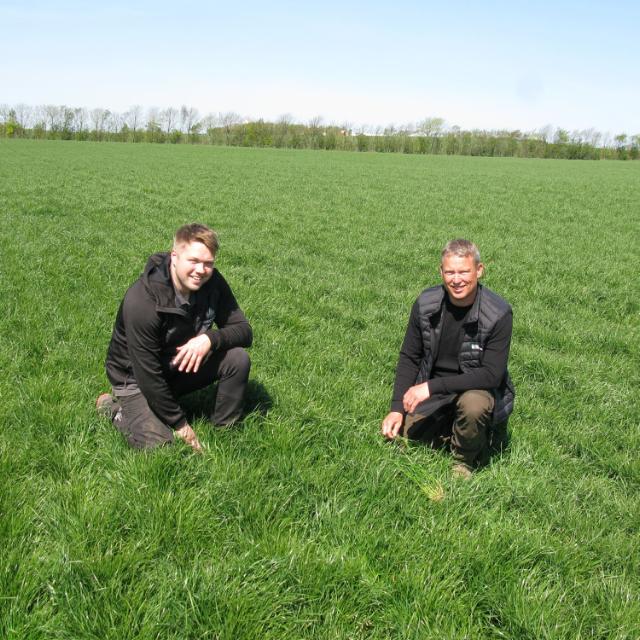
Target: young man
[
  {"x": 165, "y": 344},
  {"x": 452, "y": 386}
]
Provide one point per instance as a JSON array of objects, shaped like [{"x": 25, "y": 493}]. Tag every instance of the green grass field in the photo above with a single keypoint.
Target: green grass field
[{"x": 303, "y": 523}]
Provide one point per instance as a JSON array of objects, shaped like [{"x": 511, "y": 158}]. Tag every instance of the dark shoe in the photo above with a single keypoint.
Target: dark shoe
[{"x": 498, "y": 439}]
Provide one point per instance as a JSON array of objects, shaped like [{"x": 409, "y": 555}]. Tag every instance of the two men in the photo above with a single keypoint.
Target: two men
[
  {"x": 164, "y": 344},
  {"x": 452, "y": 387}
]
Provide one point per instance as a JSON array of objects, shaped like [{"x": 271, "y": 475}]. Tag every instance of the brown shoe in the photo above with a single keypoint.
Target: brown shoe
[{"x": 461, "y": 471}]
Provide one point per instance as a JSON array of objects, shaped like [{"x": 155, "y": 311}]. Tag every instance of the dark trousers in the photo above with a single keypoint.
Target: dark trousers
[
  {"x": 463, "y": 426},
  {"x": 133, "y": 417}
]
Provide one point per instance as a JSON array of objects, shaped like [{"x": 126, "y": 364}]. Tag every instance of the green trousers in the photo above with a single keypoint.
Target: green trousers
[{"x": 463, "y": 426}]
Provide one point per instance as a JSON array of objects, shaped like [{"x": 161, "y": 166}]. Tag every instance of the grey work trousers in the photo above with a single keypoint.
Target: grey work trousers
[
  {"x": 133, "y": 417},
  {"x": 463, "y": 426}
]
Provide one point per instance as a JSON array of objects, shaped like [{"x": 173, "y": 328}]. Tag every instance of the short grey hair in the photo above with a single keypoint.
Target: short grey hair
[{"x": 461, "y": 248}]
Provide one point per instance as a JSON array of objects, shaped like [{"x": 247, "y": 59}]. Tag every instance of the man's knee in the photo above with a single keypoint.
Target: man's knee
[
  {"x": 474, "y": 406},
  {"x": 141, "y": 427},
  {"x": 150, "y": 438},
  {"x": 236, "y": 362},
  {"x": 413, "y": 425},
  {"x": 473, "y": 416}
]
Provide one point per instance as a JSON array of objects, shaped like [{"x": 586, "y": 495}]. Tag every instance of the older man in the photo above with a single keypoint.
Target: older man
[
  {"x": 165, "y": 344},
  {"x": 452, "y": 386}
]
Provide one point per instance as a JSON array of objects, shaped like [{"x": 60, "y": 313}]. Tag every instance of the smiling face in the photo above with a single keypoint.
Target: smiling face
[
  {"x": 191, "y": 266},
  {"x": 460, "y": 277}
]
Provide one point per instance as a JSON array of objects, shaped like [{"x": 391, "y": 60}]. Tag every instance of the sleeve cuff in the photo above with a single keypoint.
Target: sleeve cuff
[
  {"x": 181, "y": 423},
  {"x": 436, "y": 386},
  {"x": 214, "y": 336}
]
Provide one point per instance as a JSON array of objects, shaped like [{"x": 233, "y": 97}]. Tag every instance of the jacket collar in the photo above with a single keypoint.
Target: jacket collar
[
  {"x": 157, "y": 281},
  {"x": 474, "y": 312}
]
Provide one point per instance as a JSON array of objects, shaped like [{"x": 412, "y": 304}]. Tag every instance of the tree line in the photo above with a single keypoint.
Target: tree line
[{"x": 186, "y": 125}]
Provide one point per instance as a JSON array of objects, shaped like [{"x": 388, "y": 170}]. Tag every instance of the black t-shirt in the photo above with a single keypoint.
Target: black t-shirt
[{"x": 452, "y": 320}]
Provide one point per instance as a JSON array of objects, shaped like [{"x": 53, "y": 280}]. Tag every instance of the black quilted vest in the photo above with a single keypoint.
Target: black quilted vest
[{"x": 487, "y": 309}]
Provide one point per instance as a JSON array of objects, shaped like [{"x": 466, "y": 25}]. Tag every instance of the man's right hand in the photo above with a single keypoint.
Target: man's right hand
[
  {"x": 190, "y": 355},
  {"x": 391, "y": 424},
  {"x": 187, "y": 434}
]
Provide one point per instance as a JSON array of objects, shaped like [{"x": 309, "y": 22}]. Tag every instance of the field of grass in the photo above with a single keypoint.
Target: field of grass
[{"x": 303, "y": 523}]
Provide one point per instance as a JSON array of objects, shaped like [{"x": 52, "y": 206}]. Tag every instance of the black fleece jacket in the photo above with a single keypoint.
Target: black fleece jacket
[{"x": 150, "y": 326}]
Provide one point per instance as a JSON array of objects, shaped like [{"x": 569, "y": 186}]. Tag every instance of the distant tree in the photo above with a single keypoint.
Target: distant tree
[
  {"x": 14, "y": 121},
  {"x": 189, "y": 124},
  {"x": 99, "y": 117},
  {"x": 53, "y": 119},
  {"x": 168, "y": 119},
  {"x": 68, "y": 123},
  {"x": 39, "y": 129},
  {"x": 11, "y": 127},
  {"x": 451, "y": 140},
  {"x": 362, "y": 141},
  {"x": 153, "y": 130},
  {"x": 282, "y": 130},
  {"x": 621, "y": 146},
  {"x": 346, "y": 128},
  {"x": 80, "y": 117},
  {"x": 431, "y": 127},
  {"x": 209, "y": 121},
  {"x": 194, "y": 131},
  {"x": 314, "y": 132},
  {"x": 546, "y": 133},
  {"x": 4, "y": 116},
  {"x": 228, "y": 121},
  {"x": 595, "y": 137},
  {"x": 315, "y": 123},
  {"x": 621, "y": 140},
  {"x": 24, "y": 116},
  {"x": 209, "y": 124},
  {"x": 117, "y": 127},
  {"x": 133, "y": 119}
]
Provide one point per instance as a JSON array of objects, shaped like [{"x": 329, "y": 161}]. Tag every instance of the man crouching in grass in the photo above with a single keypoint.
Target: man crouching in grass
[
  {"x": 452, "y": 386},
  {"x": 165, "y": 345}
]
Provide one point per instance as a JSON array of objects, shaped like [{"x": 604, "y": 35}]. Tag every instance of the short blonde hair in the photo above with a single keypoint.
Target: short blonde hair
[{"x": 196, "y": 232}]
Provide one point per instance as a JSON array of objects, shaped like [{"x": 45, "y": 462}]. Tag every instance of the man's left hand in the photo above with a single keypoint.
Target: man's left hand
[
  {"x": 187, "y": 434},
  {"x": 189, "y": 356},
  {"x": 414, "y": 396}
]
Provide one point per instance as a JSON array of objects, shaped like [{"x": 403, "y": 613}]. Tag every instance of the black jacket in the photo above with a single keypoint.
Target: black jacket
[{"x": 150, "y": 326}]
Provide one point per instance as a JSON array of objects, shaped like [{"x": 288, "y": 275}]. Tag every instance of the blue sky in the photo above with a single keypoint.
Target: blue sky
[{"x": 514, "y": 65}]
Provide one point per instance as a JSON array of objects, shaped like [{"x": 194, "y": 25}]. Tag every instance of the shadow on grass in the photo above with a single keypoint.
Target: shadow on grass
[
  {"x": 499, "y": 444},
  {"x": 257, "y": 399},
  {"x": 200, "y": 404}
]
